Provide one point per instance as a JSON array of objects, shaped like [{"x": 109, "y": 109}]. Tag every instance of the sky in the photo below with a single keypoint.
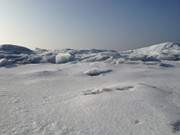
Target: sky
[{"x": 86, "y": 24}]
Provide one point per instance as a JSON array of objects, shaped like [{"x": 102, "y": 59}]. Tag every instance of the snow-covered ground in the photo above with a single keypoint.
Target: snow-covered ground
[{"x": 95, "y": 93}]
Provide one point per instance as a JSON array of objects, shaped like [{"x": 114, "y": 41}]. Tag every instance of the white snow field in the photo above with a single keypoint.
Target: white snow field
[{"x": 98, "y": 92}]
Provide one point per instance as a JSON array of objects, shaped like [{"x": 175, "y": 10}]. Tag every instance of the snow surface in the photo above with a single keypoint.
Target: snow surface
[
  {"x": 59, "y": 99},
  {"x": 92, "y": 92}
]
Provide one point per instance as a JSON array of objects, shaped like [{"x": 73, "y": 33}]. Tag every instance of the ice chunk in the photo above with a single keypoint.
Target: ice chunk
[
  {"x": 162, "y": 64},
  {"x": 63, "y": 58},
  {"x": 3, "y": 62}
]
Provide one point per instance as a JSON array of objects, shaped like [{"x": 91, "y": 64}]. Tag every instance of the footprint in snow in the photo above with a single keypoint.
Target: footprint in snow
[
  {"x": 124, "y": 88},
  {"x": 137, "y": 122},
  {"x": 46, "y": 99},
  {"x": 4, "y": 93},
  {"x": 15, "y": 100},
  {"x": 99, "y": 91}
]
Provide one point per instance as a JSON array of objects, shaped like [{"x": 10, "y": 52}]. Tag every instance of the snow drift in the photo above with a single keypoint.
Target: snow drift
[{"x": 96, "y": 71}]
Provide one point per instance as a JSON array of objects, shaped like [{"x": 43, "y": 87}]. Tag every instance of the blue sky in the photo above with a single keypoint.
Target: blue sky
[{"x": 104, "y": 24}]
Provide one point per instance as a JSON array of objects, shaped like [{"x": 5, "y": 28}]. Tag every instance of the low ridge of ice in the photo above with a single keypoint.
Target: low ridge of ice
[{"x": 14, "y": 54}]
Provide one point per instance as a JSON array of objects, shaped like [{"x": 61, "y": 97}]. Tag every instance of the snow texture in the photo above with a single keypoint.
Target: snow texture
[{"x": 59, "y": 99}]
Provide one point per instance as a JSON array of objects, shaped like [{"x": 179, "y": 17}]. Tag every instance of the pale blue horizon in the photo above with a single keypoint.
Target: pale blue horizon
[{"x": 79, "y": 24}]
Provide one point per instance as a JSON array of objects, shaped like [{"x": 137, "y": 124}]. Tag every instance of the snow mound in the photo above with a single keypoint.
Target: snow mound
[
  {"x": 96, "y": 71},
  {"x": 162, "y": 51},
  {"x": 13, "y": 54},
  {"x": 14, "y": 49}
]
